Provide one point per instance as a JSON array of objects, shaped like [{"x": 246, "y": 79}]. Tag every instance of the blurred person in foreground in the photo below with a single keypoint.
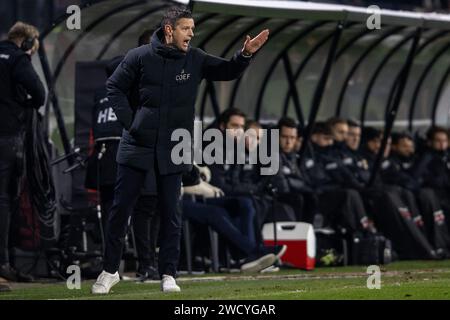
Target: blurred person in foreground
[{"x": 21, "y": 90}]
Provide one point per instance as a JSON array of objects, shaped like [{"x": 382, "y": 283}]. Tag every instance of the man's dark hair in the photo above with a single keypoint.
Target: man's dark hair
[
  {"x": 353, "y": 124},
  {"x": 370, "y": 133},
  {"x": 336, "y": 120},
  {"x": 321, "y": 127},
  {"x": 252, "y": 123},
  {"x": 435, "y": 130},
  {"x": 286, "y": 122},
  {"x": 144, "y": 38},
  {"x": 227, "y": 114},
  {"x": 397, "y": 136},
  {"x": 175, "y": 13}
]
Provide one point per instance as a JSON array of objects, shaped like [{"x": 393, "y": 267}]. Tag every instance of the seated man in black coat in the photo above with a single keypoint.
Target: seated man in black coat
[
  {"x": 291, "y": 182},
  {"x": 343, "y": 204},
  {"x": 398, "y": 170},
  {"x": 393, "y": 207},
  {"x": 220, "y": 218},
  {"x": 433, "y": 167}
]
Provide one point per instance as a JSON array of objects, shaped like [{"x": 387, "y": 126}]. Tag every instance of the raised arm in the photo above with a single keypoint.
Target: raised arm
[{"x": 219, "y": 69}]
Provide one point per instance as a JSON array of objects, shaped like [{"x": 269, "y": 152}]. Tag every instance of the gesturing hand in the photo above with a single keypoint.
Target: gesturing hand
[{"x": 253, "y": 45}]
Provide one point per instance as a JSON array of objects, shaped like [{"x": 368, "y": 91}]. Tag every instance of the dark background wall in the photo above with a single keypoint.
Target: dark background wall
[{"x": 37, "y": 12}]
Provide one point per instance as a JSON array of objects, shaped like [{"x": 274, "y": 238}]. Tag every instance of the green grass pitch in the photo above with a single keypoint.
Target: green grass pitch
[{"x": 399, "y": 280}]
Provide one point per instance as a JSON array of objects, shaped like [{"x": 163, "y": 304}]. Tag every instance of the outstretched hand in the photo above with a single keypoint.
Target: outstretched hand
[{"x": 253, "y": 45}]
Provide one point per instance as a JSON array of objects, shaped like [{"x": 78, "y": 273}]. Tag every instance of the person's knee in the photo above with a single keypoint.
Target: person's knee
[{"x": 246, "y": 204}]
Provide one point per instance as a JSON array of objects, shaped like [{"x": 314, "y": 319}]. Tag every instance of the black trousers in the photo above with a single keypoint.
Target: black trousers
[
  {"x": 127, "y": 190},
  {"x": 444, "y": 201},
  {"x": 395, "y": 219},
  {"x": 434, "y": 218},
  {"x": 145, "y": 220},
  {"x": 146, "y": 223},
  {"x": 342, "y": 208},
  {"x": 11, "y": 156}
]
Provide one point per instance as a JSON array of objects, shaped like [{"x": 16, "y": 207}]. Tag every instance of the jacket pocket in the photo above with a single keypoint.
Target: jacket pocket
[
  {"x": 144, "y": 128},
  {"x": 145, "y": 120}
]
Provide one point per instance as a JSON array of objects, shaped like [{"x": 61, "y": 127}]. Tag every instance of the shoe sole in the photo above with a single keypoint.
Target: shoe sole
[
  {"x": 270, "y": 269},
  {"x": 171, "y": 290},
  {"x": 259, "y": 264}
]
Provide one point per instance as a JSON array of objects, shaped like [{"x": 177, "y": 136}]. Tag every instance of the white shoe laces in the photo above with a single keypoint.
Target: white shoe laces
[{"x": 101, "y": 280}]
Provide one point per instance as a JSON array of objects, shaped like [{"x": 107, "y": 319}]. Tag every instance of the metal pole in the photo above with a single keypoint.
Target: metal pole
[
  {"x": 274, "y": 63},
  {"x": 435, "y": 58},
  {"x": 390, "y": 117},
  {"x": 55, "y": 103},
  {"x": 438, "y": 95},
  {"x": 293, "y": 88},
  {"x": 358, "y": 62},
  {"x": 377, "y": 72},
  {"x": 318, "y": 94}
]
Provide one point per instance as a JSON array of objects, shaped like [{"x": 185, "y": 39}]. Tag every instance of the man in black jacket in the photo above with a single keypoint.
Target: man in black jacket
[
  {"x": 398, "y": 170},
  {"x": 237, "y": 181},
  {"x": 291, "y": 182},
  {"x": 101, "y": 176},
  {"x": 168, "y": 73},
  {"x": 102, "y": 169},
  {"x": 20, "y": 91},
  {"x": 342, "y": 196},
  {"x": 394, "y": 208},
  {"x": 433, "y": 167}
]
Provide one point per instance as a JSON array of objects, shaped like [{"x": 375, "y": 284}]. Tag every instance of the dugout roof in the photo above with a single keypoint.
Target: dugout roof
[{"x": 287, "y": 77}]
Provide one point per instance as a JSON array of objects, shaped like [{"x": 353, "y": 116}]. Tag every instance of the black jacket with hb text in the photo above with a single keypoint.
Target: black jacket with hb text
[
  {"x": 18, "y": 80},
  {"x": 168, "y": 81}
]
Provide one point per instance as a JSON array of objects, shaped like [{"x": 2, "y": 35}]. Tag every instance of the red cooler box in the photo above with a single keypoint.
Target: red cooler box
[{"x": 300, "y": 240}]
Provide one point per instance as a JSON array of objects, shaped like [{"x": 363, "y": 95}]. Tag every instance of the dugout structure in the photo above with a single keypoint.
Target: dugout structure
[{"x": 321, "y": 60}]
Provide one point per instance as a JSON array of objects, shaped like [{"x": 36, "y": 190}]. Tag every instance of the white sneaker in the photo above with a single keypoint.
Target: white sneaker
[
  {"x": 105, "y": 282},
  {"x": 168, "y": 284}
]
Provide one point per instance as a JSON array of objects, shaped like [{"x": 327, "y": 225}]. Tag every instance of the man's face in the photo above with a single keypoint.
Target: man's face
[
  {"x": 322, "y": 140},
  {"x": 252, "y": 137},
  {"x": 235, "y": 126},
  {"x": 288, "y": 138},
  {"x": 439, "y": 142},
  {"x": 404, "y": 147},
  {"x": 353, "y": 138},
  {"x": 374, "y": 145},
  {"x": 340, "y": 131},
  {"x": 181, "y": 35}
]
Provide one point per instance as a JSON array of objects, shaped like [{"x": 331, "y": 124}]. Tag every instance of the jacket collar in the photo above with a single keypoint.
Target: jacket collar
[{"x": 157, "y": 43}]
